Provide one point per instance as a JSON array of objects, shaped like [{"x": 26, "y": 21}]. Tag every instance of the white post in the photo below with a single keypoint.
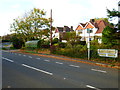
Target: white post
[{"x": 88, "y": 45}]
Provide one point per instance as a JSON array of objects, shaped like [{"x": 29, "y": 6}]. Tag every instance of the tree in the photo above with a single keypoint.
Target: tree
[
  {"x": 71, "y": 37},
  {"x": 30, "y": 26},
  {"x": 108, "y": 36},
  {"x": 113, "y": 13},
  {"x": 105, "y": 19}
]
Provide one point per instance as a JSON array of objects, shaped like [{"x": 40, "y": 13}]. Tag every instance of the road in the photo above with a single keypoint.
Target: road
[{"x": 30, "y": 71}]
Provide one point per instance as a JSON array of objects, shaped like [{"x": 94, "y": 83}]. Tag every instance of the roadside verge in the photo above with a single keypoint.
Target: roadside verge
[{"x": 59, "y": 57}]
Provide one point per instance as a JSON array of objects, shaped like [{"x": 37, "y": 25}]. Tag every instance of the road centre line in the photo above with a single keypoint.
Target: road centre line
[
  {"x": 89, "y": 86},
  {"x": 8, "y": 59},
  {"x": 29, "y": 56},
  {"x": 37, "y": 58},
  {"x": 24, "y": 55},
  {"x": 99, "y": 70},
  {"x": 74, "y": 66},
  {"x": 58, "y": 62},
  {"x": 37, "y": 69},
  {"x": 47, "y": 60}
]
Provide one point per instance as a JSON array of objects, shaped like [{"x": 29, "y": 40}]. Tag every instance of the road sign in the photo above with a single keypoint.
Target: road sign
[{"x": 108, "y": 53}]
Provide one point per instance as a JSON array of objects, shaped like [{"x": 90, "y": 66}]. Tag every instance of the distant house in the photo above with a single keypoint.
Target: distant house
[
  {"x": 60, "y": 31},
  {"x": 94, "y": 27}
]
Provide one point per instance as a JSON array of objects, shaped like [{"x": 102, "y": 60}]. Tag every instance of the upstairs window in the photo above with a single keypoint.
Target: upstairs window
[
  {"x": 89, "y": 30},
  {"x": 80, "y": 30}
]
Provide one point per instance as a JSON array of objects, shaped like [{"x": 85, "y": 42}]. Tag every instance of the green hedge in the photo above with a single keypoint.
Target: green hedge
[{"x": 80, "y": 51}]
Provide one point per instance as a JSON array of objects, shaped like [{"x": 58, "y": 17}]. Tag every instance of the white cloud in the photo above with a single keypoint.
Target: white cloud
[{"x": 16, "y": 6}]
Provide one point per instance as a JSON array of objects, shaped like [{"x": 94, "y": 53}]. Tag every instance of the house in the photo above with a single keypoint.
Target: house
[
  {"x": 92, "y": 29},
  {"x": 59, "y": 32}
]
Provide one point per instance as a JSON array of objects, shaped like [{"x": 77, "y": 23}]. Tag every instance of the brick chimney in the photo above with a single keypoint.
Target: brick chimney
[
  {"x": 92, "y": 20},
  {"x": 71, "y": 28}
]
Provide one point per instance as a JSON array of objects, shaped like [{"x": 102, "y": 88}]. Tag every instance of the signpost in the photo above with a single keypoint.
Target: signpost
[
  {"x": 88, "y": 44},
  {"x": 108, "y": 53}
]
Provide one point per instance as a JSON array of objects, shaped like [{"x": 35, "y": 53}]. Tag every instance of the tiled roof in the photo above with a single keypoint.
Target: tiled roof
[
  {"x": 101, "y": 24},
  {"x": 83, "y": 24},
  {"x": 63, "y": 29}
]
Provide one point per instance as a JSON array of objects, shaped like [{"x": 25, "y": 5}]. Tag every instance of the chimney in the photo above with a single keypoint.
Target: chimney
[
  {"x": 65, "y": 28},
  {"x": 71, "y": 29},
  {"x": 92, "y": 20}
]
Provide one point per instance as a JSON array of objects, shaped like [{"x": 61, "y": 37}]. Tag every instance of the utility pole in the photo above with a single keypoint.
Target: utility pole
[{"x": 51, "y": 28}]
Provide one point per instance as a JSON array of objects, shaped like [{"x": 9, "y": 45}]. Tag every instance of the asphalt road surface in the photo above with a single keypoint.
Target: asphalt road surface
[{"x": 29, "y": 71}]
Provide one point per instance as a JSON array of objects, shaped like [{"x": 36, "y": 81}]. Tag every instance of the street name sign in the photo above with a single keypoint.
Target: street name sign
[{"x": 108, "y": 53}]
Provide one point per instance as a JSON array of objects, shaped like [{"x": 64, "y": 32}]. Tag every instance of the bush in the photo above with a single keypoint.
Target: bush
[
  {"x": 82, "y": 42},
  {"x": 76, "y": 51},
  {"x": 55, "y": 40},
  {"x": 17, "y": 43},
  {"x": 45, "y": 44},
  {"x": 62, "y": 45},
  {"x": 5, "y": 40}
]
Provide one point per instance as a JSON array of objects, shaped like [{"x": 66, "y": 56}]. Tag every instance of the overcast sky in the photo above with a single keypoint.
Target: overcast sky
[{"x": 65, "y": 12}]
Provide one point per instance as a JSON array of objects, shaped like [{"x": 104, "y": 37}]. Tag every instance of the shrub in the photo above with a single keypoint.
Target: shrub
[
  {"x": 45, "y": 44},
  {"x": 17, "y": 43},
  {"x": 62, "y": 45},
  {"x": 82, "y": 42},
  {"x": 55, "y": 40}
]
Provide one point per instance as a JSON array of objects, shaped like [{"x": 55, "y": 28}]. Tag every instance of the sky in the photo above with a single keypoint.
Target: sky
[{"x": 65, "y": 12}]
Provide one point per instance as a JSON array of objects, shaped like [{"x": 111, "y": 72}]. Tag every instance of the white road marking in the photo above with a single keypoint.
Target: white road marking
[
  {"x": 37, "y": 69},
  {"x": 58, "y": 62},
  {"x": 29, "y": 56},
  {"x": 47, "y": 60},
  {"x": 37, "y": 58},
  {"x": 99, "y": 70},
  {"x": 64, "y": 78},
  {"x": 92, "y": 87},
  {"x": 8, "y": 59},
  {"x": 8, "y": 86},
  {"x": 24, "y": 55},
  {"x": 74, "y": 66}
]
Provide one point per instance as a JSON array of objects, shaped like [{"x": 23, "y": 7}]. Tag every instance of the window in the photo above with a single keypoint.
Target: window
[
  {"x": 89, "y": 30},
  {"x": 80, "y": 30},
  {"x": 90, "y": 39}
]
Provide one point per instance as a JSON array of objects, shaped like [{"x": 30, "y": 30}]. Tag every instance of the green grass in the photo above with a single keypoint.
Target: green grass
[{"x": 31, "y": 52}]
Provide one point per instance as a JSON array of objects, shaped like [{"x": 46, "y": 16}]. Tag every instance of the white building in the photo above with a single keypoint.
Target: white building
[{"x": 94, "y": 27}]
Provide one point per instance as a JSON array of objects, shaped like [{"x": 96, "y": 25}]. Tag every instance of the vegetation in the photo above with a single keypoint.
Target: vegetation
[
  {"x": 17, "y": 42},
  {"x": 31, "y": 25}
]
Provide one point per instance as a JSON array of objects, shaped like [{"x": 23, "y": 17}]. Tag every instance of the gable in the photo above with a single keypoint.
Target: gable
[
  {"x": 56, "y": 30},
  {"x": 79, "y": 27},
  {"x": 89, "y": 25}
]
